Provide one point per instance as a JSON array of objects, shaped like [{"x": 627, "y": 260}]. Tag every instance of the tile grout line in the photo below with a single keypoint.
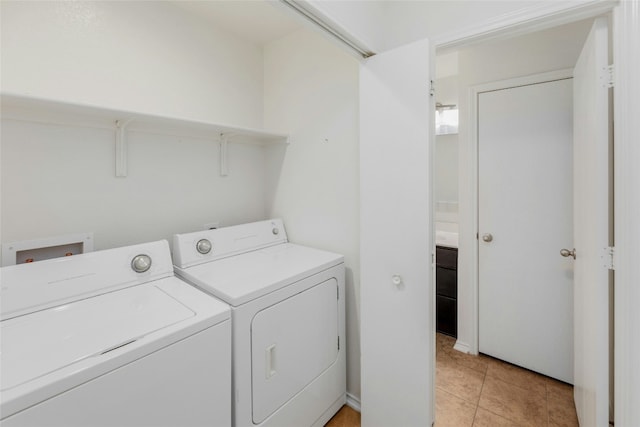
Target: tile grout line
[
  {"x": 475, "y": 414},
  {"x": 509, "y": 380},
  {"x": 546, "y": 387},
  {"x": 494, "y": 378}
]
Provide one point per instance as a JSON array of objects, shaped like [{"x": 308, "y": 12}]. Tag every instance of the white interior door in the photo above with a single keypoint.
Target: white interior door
[
  {"x": 397, "y": 296},
  {"x": 525, "y": 219},
  {"x": 591, "y": 201}
]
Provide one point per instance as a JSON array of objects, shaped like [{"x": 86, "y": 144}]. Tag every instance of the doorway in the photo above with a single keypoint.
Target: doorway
[{"x": 554, "y": 49}]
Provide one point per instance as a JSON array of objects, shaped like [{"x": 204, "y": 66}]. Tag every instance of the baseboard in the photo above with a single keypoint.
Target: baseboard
[
  {"x": 462, "y": 346},
  {"x": 353, "y": 402}
]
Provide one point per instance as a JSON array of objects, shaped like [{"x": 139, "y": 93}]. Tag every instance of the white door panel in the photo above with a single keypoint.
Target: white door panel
[
  {"x": 525, "y": 204},
  {"x": 397, "y": 335},
  {"x": 591, "y": 201}
]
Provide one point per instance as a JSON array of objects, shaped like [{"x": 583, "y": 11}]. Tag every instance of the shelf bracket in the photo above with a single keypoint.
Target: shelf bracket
[
  {"x": 224, "y": 153},
  {"x": 121, "y": 147}
]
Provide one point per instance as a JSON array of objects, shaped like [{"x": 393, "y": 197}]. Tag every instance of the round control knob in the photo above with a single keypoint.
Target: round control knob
[
  {"x": 488, "y": 237},
  {"x": 204, "y": 246},
  {"x": 275, "y": 231},
  {"x": 141, "y": 263}
]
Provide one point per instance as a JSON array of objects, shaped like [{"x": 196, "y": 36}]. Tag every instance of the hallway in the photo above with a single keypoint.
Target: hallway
[{"x": 482, "y": 391}]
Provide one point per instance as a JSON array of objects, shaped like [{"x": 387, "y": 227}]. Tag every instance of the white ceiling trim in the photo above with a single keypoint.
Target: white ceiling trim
[{"x": 536, "y": 18}]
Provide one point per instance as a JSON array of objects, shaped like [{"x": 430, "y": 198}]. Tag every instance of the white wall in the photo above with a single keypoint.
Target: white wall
[
  {"x": 446, "y": 154},
  {"x": 142, "y": 56},
  {"x": 446, "y": 170},
  {"x": 535, "y": 53},
  {"x": 60, "y": 180},
  {"x": 311, "y": 89}
]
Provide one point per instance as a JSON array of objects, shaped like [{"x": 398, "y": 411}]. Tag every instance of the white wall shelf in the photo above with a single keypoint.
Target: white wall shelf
[{"x": 25, "y": 108}]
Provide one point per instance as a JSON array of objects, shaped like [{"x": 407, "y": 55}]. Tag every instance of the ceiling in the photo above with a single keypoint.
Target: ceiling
[
  {"x": 256, "y": 21},
  {"x": 263, "y": 21}
]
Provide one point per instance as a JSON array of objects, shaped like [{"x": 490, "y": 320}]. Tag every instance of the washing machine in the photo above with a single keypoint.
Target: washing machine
[
  {"x": 287, "y": 305},
  {"x": 112, "y": 338}
]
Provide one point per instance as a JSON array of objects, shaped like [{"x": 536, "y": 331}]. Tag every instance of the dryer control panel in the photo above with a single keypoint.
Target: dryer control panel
[{"x": 204, "y": 246}]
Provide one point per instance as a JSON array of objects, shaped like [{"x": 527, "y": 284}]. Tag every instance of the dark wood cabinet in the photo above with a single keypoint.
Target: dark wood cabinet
[{"x": 447, "y": 290}]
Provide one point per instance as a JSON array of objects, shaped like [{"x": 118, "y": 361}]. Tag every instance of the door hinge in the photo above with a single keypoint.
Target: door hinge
[
  {"x": 432, "y": 89},
  {"x": 337, "y": 292},
  {"x": 607, "y": 76},
  {"x": 338, "y": 342},
  {"x": 608, "y": 257}
]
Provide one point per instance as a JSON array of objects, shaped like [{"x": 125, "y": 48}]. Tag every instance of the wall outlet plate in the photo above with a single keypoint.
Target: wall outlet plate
[{"x": 211, "y": 225}]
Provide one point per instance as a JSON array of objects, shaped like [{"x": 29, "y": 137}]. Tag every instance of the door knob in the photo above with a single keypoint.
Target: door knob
[
  {"x": 487, "y": 237},
  {"x": 568, "y": 253}
]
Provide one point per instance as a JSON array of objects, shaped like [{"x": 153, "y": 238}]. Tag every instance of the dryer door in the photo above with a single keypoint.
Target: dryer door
[{"x": 292, "y": 343}]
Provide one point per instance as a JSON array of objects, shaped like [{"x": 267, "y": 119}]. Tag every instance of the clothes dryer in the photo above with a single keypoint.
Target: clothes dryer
[
  {"x": 112, "y": 338},
  {"x": 287, "y": 304}
]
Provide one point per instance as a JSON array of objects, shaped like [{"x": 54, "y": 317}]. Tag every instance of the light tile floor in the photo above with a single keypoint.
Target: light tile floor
[{"x": 482, "y": 391}]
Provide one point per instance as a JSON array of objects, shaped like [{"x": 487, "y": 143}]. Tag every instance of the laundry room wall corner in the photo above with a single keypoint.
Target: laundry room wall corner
[{"x": 311, "y": 89}]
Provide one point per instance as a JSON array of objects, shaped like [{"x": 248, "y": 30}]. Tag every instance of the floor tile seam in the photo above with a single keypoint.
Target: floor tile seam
[
  {"x": 546, "y": 387},
  {"x": 559, "y": 397},
  {"x": 457, "y": 363},
  {"x": 474, "y": 360},
  {"x": 458, "y": 397},
  {"x": 475, "y": 414},
  {"x": 508, "y": 418},
  {"x": 515, "y": 423},
  {"x": 510, "y": 366},
  {"x": 500, "y": 400},
  {"x": 517, "y": 385},
  {"x": 466, "y": 399},
  {"x": 482, "y": 371},
  {"x": 569, "y": 406},
  {"x": 524, "y": 371},
  {"x": 460, "y": 365}
]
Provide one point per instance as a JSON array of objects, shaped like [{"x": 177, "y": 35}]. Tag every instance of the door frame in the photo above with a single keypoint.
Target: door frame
[
  {"x": 626, "y": 104},
  {"x": 624, "y": 28},
  {"x": 472, "y": 215}
]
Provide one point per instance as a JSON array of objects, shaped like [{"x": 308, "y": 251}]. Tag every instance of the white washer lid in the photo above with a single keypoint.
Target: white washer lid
[
  {"x": 27, "y": 288},
  {"x": 40, "y": 343},
  {"x": 245, "y": 277}
]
